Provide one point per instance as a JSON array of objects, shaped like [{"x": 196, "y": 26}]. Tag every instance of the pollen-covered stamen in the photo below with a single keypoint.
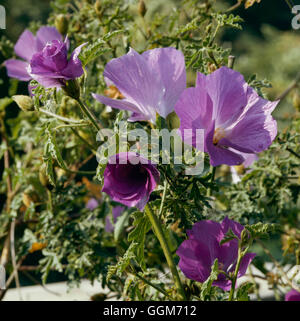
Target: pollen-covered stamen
[{"x": 218, "y": 135}]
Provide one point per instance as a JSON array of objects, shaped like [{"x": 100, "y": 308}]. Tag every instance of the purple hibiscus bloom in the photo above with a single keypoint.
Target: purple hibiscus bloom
[
  {"x": 51, "y": 66},
  {"x": 292, "y": 295},
  {"x": 234, "y": 117},
  {"x": 151, "y": 82},
  {"x": 116, "y": 212},
  {"x": 198, "y": 253},
  {"x": 26, "y": 46},
  {"x": 130, "y": 179}
]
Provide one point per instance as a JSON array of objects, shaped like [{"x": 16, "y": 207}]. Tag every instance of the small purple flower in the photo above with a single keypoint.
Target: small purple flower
[
  {"x": 234, "y": 117},
  {"x": 198, "y": 253},
  {"x": 92, "y": 204},
  {"x": 151, "y": 82},
  {"x": 116, "y": 212},
  {"x": 51, "y": 66},
  {"x": 292, "y": 295},
  {"x": 130, "y": 179},
  {"x": 26, "y": 46}
]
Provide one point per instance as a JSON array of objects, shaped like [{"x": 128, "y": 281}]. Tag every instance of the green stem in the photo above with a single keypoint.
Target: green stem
[
  {"x": 163, "y": 198},
  {"x": 64, "y": 119},
  {"x": 213, "y": 174},
  {"x": 89, "y": 114},
  {"x": 236, "y": 271},
  {"x": 156, "y": 225}
]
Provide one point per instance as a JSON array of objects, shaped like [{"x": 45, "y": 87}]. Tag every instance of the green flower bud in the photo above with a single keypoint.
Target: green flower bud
[
  {"x": 142, "y": 8},
  {"x": 296, "y": 100},
  {"x": 62, "y": 24},
  {"x": 173, "y": 120},
  {"x": 24, "y": 102},
  {"x": 98, "y": 8}
]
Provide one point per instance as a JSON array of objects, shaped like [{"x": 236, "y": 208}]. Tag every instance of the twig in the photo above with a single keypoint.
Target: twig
[
  {"x": 278, "y": 266},
  {"x": 290, "y": 87},
  {"x": 64, "y": 119}
]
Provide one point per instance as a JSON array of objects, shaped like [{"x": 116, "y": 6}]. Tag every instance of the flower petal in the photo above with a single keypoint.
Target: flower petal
[
  {"x": 26, "y": 45},
  {"x": 219, "y": 155},
  {"x": 227, "y": 90},
  {"x": 74, "y": 67},
  {"x": 46, "y": 34},
  {"x": 256, "y": 128},
  {"x": 137, "y": 82},
  {"x": 169, "y": 65},
  {"x": 17, "y": 69}
]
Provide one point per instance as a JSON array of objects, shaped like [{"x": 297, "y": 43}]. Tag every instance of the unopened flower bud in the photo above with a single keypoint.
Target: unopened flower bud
[
  {"x": 98, "y": 8},
  {"x": 296, "y": 100},
  {"x": 173, "y": 120},
  {"x": 62, "y": 24},
  {"x": 142, "y": 8},
  {"x": 24, "y": 102}
]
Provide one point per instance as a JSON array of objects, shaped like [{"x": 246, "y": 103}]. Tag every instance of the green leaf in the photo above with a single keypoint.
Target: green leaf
[
  {"x": 261, "y": 230},
  {"x": 242, "y": 292},
  {"x": 92, "y": 51},
  {"x": 122, "y": 263},
  {"x": 52, "y": 148},
  {"x": 120, "y": 224},
  {"x": 206, "y": 286},
  {"x": 4, "y": 102},
  {"x": 142, "y": 226},
  {"x": 228, "y": 237}
]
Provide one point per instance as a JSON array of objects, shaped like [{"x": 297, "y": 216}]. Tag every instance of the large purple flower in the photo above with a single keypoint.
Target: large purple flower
[
  {"x": 129, "y": 179},
  {"x": 51, "y": 66},
  {"x": 26, "y": 46},
  {"x": 198, "y": 253},
  {"x": 151, "y": 82},
  {"x": 292, "y": 295},
  {"x": 234, "y": 117}
]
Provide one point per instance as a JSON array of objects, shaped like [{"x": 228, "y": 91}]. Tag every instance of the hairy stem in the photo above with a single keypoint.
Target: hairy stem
[{"x": 156, "y": 225}]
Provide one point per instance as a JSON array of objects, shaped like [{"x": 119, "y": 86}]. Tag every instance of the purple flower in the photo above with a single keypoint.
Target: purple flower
[
  {"x": 92, "y": 204},
  {"x": 234, "y": 117},
  {"x": 51, "y": 66},
  {"x": 292, "y": 295},
  {"x": 26, "y": 47},
  {"x": 130, "y": 179},
  {"x": 116, "y": 212},
  {"x": 198, "y": 253},
  {"x": 151, "y": 82}
]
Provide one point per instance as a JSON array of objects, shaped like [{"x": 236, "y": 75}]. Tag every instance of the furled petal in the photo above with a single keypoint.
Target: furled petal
[
  {"x": 74, "y": 67},
  {"x": 256, "y": 129},
  {"x": 169, "y": 65},
  {"x": 219, "y": 155},
  {"x": 26, "y": 45},
  {"x": 227, "y": 90},
  {"x": 17, "y": 69},
  {"x": 46, "y": 34},
  {"x": 137, "y": 82}
]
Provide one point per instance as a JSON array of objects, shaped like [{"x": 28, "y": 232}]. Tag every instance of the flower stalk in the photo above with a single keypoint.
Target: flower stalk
[{"x": 156, "y": 225}]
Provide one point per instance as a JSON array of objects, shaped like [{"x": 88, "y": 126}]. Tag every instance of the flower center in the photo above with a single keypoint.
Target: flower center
[{"x": 218, "y": 135}]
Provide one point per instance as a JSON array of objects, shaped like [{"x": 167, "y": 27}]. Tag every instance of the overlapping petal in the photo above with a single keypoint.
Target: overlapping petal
[
  {"x": 151, "y": 82},
  {"x": 130, "y": 179},
  {"x": 199, "y": 251}
]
